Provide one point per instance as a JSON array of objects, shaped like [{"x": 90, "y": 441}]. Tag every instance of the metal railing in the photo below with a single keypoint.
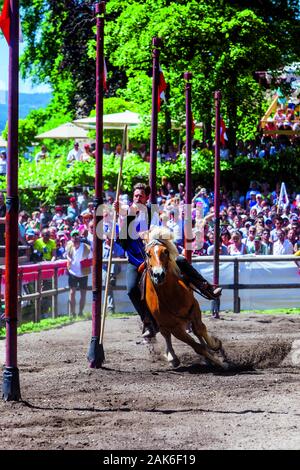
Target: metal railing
[{"x": 235, "y": 286}]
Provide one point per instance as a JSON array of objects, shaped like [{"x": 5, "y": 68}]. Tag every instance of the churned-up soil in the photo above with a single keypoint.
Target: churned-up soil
[{"x": 137, "y": 401}]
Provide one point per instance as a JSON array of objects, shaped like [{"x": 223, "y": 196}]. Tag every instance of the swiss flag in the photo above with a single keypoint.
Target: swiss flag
[
  {"x": 5, "y": 20},
  {"x": 223, "y": 135},
  {"x": 162, "y": 86}
]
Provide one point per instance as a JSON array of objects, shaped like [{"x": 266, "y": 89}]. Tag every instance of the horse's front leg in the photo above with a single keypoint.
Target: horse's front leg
[
  {"x": 170, "y": 353},
  {"x": 180, "y": 333}
]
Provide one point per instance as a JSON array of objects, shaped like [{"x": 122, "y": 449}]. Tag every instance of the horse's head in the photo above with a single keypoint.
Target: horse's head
[{"x": 157, "y": 259}]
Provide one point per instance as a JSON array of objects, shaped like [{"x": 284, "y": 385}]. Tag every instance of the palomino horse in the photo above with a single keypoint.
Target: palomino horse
[{"x": 172, "y": 302}]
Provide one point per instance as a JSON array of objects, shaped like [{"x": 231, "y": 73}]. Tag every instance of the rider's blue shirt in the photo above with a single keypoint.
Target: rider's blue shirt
[{"x": 129, "y": 237}]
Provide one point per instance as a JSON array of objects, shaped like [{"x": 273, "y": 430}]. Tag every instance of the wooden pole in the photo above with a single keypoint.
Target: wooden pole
[
  {"x": 156, "y": 42},
  {"x": 112, "y": 239},
  {"x": 188, "y": 235},
  {"x": 96, "y": 352},
  {"x": 11, "y": 383},
  {"x": 216, "y": 302}
]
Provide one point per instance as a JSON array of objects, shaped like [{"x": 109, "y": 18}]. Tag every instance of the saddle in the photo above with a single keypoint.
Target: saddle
[{"x": 142, "y": 281}]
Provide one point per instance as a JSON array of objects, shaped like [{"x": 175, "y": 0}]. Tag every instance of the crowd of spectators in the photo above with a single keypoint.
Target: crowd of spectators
[{"x": 256, "y": 222}]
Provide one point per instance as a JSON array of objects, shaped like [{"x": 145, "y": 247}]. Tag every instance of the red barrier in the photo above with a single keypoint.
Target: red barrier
[{"x": 30, "y": 272}]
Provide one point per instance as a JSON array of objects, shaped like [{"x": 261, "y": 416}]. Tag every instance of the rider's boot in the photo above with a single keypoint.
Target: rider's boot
[{"x": 195, "y": 278}]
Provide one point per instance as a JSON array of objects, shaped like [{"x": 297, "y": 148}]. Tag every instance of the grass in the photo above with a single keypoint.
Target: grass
[
  {"x": 45, "y": 324},
  {"x": 274, "y": 311},
  {"x": 50, "y": 323}
]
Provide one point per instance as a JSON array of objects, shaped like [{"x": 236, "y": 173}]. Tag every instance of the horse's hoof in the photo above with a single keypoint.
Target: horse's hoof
[
  {"x": 226, "y": 366},
  {"x": 175, "y": 363}
]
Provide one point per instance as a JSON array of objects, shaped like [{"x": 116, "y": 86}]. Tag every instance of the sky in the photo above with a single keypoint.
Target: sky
[{"x": 24, "y": 86}]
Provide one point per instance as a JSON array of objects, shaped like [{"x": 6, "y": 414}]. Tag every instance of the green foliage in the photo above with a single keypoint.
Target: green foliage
[
  {"x": 52, "y": 178},
  {"x": 222, "y": 43},
  {"x": 285, "y": 165}
]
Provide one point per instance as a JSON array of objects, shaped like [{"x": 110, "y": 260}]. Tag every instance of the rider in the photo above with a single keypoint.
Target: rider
[{"x": 138, "y": 216}]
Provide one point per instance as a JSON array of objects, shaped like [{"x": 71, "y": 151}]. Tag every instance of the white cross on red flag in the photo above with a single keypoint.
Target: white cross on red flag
[{"x": 162, "y": 86}]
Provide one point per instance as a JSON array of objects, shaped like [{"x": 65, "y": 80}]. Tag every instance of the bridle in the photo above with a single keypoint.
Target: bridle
[{"x": 146, "y": 257}]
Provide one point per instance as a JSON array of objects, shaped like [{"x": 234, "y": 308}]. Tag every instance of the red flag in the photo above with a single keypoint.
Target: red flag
[
  {"x": 5, "y": 20},
  {"x": 223, "y": 135},
  {"x": 162, "y": 86},
  {"x": 105, "y": 87}
]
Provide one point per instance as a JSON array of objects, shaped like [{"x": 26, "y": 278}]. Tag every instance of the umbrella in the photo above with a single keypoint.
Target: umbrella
[
  {"x": 65, "y": 131},
  {"x": 120, "y": 120},
  {"x": 112, "y": 121}
]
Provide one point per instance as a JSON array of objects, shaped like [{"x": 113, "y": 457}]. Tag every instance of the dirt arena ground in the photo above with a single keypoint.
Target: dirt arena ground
[{"x": 136, "y": 401}]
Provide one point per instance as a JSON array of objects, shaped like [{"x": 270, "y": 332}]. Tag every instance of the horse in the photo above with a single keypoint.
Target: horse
[{"x": 172, "y": 302}]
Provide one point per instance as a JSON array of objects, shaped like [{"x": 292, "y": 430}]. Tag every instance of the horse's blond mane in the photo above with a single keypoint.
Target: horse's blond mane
[{"x": 164, "y": 235}]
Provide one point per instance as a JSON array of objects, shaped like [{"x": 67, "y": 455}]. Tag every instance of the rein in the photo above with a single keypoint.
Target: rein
[{"x": 160, "y": 242}]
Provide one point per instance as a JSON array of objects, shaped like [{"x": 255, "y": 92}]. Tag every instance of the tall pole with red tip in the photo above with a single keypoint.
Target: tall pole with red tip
[
  {"x": 188, "y": 172},
  {"x": 156, "y": 43},
  {"x": 216, "y": 302},
  {"x": 11, "y": 384},
  {"x": 96, "y": 352}
]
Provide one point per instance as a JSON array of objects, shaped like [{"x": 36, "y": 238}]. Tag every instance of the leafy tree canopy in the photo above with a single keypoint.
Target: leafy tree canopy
[{"x": 222, "y": 42}]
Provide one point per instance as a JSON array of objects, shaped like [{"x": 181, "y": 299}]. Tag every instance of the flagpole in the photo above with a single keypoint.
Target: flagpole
[
  {"x": 11, "y": 383},
  {"x": 156, "y": 42},
  {"x": 96, "y": 352},
  {"x": 216, "y": 302},
  {"x": 188, "y": 173}
]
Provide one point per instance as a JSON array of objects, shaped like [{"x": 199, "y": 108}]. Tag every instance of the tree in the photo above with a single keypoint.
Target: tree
[{"x": 222, "y": 42}]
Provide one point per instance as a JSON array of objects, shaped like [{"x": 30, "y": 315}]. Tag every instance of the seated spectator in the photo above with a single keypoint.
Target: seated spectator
[
  {"x": 197, "y": 243},
  {"x": 118, "y": 150},
  {"x": 202, "y": 197},
  {"x": 58, "y": 216},
  {"x": 74, "y": 154},
  {"x": 222, "y": 249},
  {"x": 176, "y": 226},
  {"x": 83, "y": 200},
  {"x": 87, "y": 154},
  {"x": 225, "y": 238},
  {"x": 252, "y": 189},
  {"x": 142, "y": 151},
  {"x": 3, "y": 163},
  {"x": 22, "y": 224},
  {"x": 258, "y": 249},
  {"x": 282, "y": 246},
  {"x": 89, "y": 210},
  {"x": 207, "y": 243},
  {"x": 45, "y": 216},
  {"x": 42, "y": 155},
  {"x": 266, "y": 244},
  {"x": 252, "y": 201},
  {"x": 249, "y": 242},
  {"x": 61, "y": 244},
  {"x": 46, "y": 246},
  {"x": 73, "y": 209},
  {"x": 237, "y": 247},
  {"x": 278, "y": 222},
  {"x": 279, "y": 118},
  {"x": 106, "y": 148}
]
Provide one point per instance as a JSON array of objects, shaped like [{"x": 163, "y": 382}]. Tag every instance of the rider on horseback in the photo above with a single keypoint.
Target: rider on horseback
[{"x": 139, "y": 215}]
